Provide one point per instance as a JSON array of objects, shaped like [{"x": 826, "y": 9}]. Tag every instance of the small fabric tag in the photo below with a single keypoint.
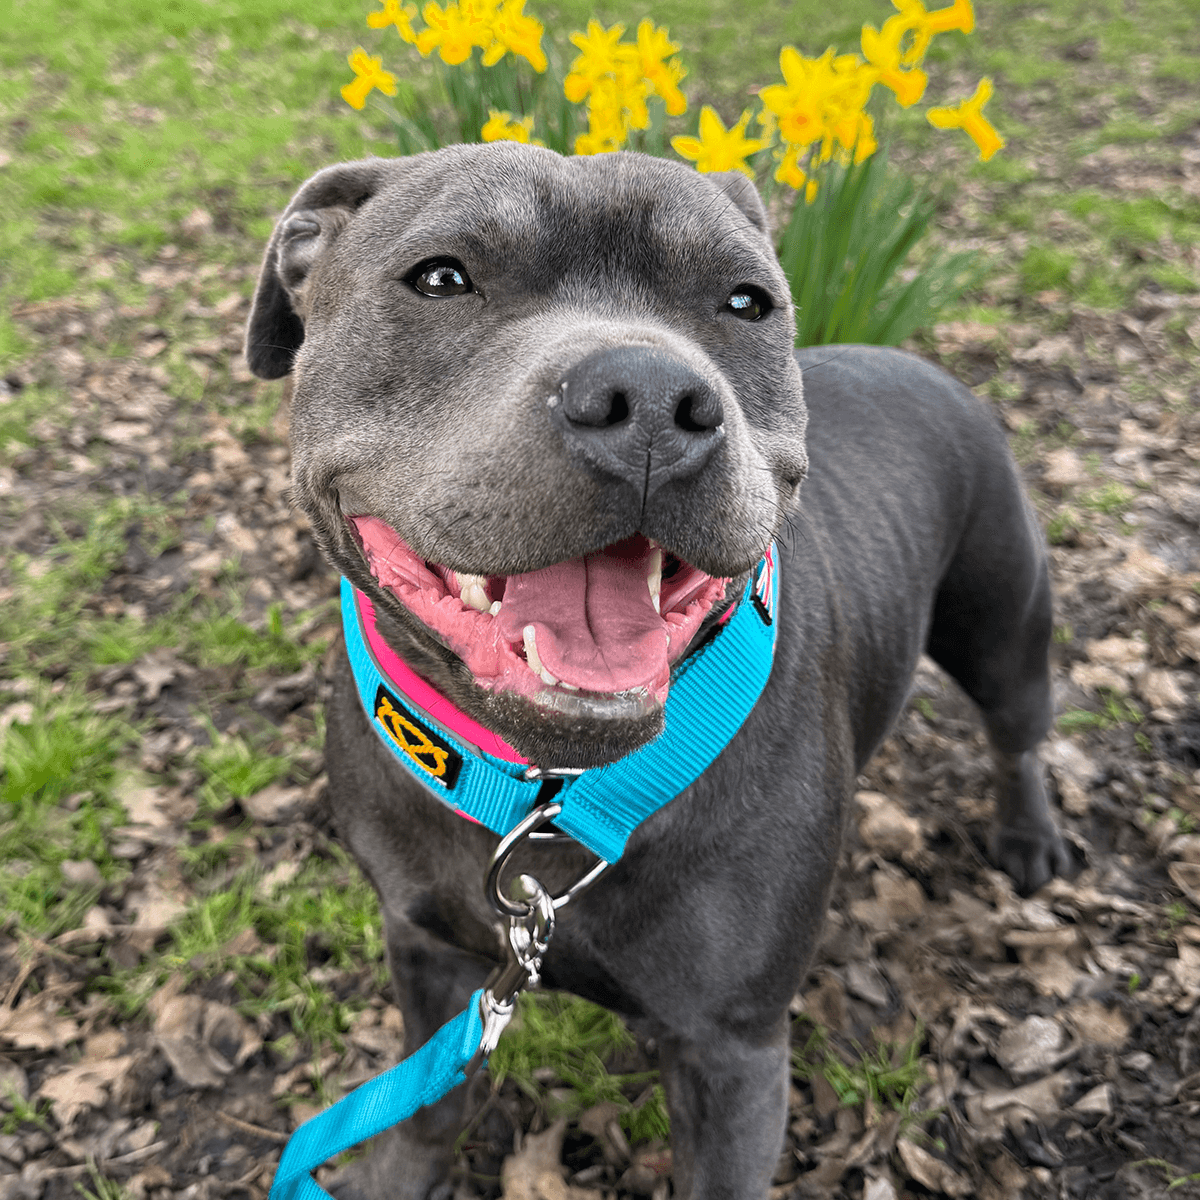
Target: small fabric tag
[{"x": 424, "y": 746}]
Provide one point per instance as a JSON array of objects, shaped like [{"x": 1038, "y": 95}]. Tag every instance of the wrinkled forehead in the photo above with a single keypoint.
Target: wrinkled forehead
[{"x": 609, "y": 212}]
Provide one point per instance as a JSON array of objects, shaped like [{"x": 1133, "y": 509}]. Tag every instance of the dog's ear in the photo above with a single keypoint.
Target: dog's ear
[
  {"x": 745, "y": 195},
  {"x": 308, "y": 227}
]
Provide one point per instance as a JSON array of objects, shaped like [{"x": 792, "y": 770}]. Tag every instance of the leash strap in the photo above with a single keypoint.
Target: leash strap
[
  {"x": 422, "y": 1078},
  {"x": 484, "y": 779}
]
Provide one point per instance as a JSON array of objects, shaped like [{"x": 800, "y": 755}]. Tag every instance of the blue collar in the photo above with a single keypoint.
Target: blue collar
[{"x": 712, "y": 693}]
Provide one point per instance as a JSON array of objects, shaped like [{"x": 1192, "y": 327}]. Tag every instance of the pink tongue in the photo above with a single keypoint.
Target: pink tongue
[{"x": 594, "y": 622}]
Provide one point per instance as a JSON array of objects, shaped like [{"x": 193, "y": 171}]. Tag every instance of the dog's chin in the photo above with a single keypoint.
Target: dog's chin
[{"x": 571, "y": 731}]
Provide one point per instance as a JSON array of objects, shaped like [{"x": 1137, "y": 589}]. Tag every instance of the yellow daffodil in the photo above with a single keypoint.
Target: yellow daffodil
[
  {"x": 789, "y": 170},
  {"x": 654, "y": 49},
  {"x": 514, "y": 31},
  {"x": 924, "y": 24},
  {"x": 718, "y": 148},
  {"x": 969, "y": 116},
  {"x": 398, "y": 14},
  {"x": 369, "y": 73},
  {"x": 850, "y": 139},
  {"x": 453, "y": 31},
  {"x": 600, "y": 54},
  {"x": 881, "y": 48},
  {"x": 608, "y": 120},
  {"x": 821, "y": 100},
  {"x": 504, "y": 127},
  {"x": 798, "y": 102}
]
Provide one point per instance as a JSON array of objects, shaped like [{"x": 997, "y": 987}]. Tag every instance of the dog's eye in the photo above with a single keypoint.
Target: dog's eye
[
  {"x": 440, "y": 277},
  {"x": 749, "y": 303}
]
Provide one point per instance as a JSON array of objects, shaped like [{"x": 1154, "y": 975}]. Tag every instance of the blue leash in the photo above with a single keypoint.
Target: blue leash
[
  {"x": 712, "y": 694},
  {"x": 422, "y": 1078}
]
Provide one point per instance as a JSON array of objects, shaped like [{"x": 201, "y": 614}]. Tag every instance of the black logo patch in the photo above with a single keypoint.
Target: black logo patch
[{"x": 432, "y": 753}]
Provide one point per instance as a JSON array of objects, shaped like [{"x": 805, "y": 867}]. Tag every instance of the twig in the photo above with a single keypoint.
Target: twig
[{"x": 272, "y": 1135}]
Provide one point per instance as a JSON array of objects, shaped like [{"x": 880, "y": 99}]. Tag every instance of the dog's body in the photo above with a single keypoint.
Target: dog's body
[{"x": 507, "y": 428}]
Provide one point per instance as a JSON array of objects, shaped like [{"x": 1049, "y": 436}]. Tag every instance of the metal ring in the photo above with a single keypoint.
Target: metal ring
[
  {"x": 499, "y": 901},
  {"x": 508, "y": 907}
]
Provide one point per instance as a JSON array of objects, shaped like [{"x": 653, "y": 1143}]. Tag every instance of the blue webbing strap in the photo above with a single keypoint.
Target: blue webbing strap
[
  {"x": 422, "y": 1078},
  {"x": 710, "y": 699}
]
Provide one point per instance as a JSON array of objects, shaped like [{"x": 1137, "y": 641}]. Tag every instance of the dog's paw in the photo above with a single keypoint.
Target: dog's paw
[{"x": 1031, "y": 857}]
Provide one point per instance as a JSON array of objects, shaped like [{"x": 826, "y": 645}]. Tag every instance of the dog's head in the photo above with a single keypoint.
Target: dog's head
[{"x": 545, "y": 413}]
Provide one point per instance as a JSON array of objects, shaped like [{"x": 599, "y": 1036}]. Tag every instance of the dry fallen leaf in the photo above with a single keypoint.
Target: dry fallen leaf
[
  {"x": 932, "y": 1172},
  {"x": 1032, "y": 1047},
  {"x": 83, "y": 1086},
  {"x": 536, "y": 1171},
  {"x": 35, "y": 1025}
]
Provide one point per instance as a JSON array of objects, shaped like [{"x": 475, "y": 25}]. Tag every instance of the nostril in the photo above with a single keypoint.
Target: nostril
[
  {"x": 685, "y": 417},
  {"x": 697, "y": 414},
  {"x": 618, "y": 409}
]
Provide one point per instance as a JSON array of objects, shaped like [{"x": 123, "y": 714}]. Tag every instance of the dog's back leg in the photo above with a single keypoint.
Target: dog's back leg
[{"x": 991, "y": 630}]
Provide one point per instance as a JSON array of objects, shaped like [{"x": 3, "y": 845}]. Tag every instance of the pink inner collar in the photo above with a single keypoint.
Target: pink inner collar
[{"x": 426, "y": 695}]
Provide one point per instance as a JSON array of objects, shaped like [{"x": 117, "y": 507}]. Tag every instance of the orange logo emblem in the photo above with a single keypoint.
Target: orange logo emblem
[{"x": 412, "y": 739}]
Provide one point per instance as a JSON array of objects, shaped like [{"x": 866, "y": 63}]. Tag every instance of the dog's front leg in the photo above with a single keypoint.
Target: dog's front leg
[{"x": 727, "y": 1097}]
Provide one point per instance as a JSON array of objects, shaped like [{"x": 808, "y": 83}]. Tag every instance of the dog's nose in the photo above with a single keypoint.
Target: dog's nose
[{"x": 639, "y": 414}]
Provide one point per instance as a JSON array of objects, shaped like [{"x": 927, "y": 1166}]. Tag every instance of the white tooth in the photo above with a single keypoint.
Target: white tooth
[
  {"x": 495, "y": 609},
  {"x": 654, "y": 577},
  {"x": 472, "y": 590},
  {"x": 568, "y": 687},
  {"x": 531, "y": 654}
]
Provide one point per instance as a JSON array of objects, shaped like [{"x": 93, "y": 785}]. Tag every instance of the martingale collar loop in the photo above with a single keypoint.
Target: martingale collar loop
[{"x": 482, "y": 778}]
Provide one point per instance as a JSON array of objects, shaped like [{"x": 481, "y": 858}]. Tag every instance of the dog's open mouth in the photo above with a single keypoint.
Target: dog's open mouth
[{"x": 609, "y": 622}]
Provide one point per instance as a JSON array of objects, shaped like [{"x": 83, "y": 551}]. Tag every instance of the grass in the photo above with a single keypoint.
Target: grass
[
  {"x": 888, "y": 1076},
  {"x": 64, "y": 752},
  {"x": 103, "y": 1188},
  {"x": 576, "y": 1042},
  {"x": 1116, "y": 710}
]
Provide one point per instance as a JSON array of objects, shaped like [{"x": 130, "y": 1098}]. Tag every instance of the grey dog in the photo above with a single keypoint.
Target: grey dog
[{"x": 509, "y": 361}]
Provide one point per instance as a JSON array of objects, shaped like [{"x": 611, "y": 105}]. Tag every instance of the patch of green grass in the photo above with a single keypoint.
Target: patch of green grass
[
  {"x": 220, "y": 638},
  {"x": 1139, "y": 222},
  {"x": 232, "y": 769},
  {"x": 1046, "y": 268},
  {"x": 64, "y": 750},
  {"x": 1063, "y": 526},
  {"x": 887, "y": 1076},
  {"x": 52, "y": 591},
  {"x": 1113, "y": 499},
  {"x": 22, "y": 1112},
  {"x": 1117, "y": 710},
  {"x": 1173, "y": 277},
  {"x": 327, "y": 917},
  {"x": 577, "y": 1040},
  {"x": 103, "y": 1188},
  {"x": 19, "y": 412}
]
